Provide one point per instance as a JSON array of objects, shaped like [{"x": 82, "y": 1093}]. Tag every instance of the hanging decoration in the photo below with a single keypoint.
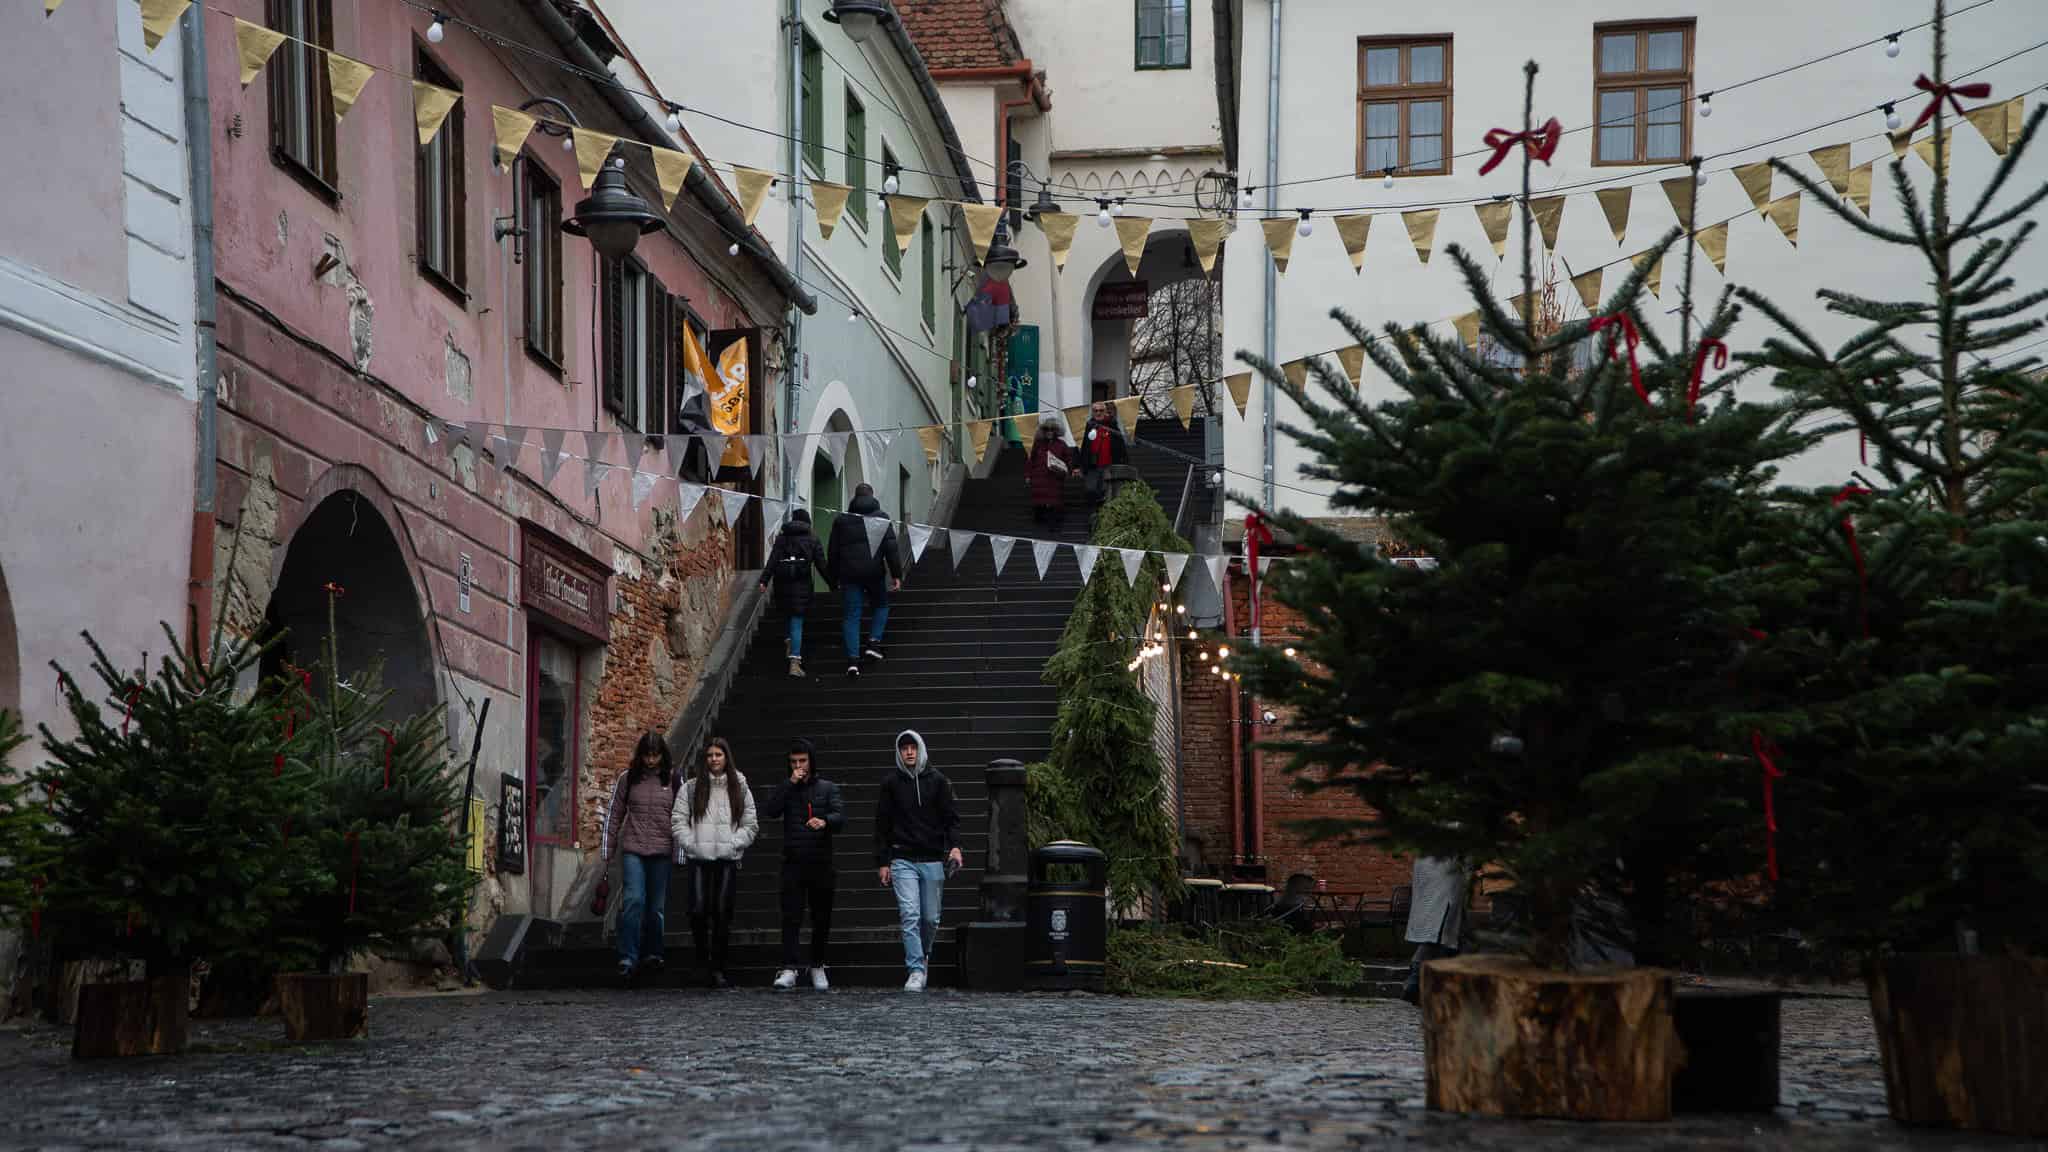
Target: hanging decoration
[
  {"x": 1184, "y": 404},
  {"x": 1493, "y": 220},
  {"x": 1257, "y": 535},
  {"x": 1058, "y": 228},
  {"x": 830, "y": 201},
  {"x": 1833, "y": 162},
  {"x": 1549, "y": 213},
  {"x": 1655, "y": 280},
  {"x": 1128, "y": 409},
  {"x": 1084, "y": 556},
  {"x": 1714, "y": 242},
  {"x": 1352, "y": 357},
  {"x": 1784, "y": 211},
  {"x": 1679, "y": 190},
  {"x": 1468, "y": 330},
  {"x": 1849, "y": 492},
  {"x": 345, "y": 80},
  {"x": 1588, "y": 284},
  {"x": 430, "y": 106},
  {"x": 592, "y": 150},
  {"x": 1130, "y": 236},
  {"x": 1207, "y": 237},
  {"x": 1708, "y": 349},
  {"x": 1925, "y": 149},
  {"x": 1766, "y": 758},
  {"x": 1756, "y": 181},
  {"x": 1629, "y": 339},
  {"x": 1239, "y": 384},
  {"x": 1614, "y": 204},
  {"x": 753, "y": 185},
  {"x": 1001, "y": 546},
  {"x": 1540, "y": 143},
  {"x": 671, "y": 169},
  {"x": 1951, "y": 92},
  {"x": 977, "y": 435},
  {"x": 981, "y": 227},
  {"x": 929, "y": 437},
  {"x": 509, "y": 129},
  {"x": 1859, "y": 186},
  {"x": 158, "y": 17},
  {"x": 1279, "y": 240},
  {"x": 905, "y": 214},
  {"x": 1421, "y": 230},
  {"x": 254, "y": 44},
  {"x": 957, "y": 544},
  {"x": 1352, "y": 230}
]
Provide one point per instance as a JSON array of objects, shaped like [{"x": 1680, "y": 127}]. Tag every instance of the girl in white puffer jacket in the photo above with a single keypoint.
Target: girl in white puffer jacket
[{"x": 713, "y": 822}]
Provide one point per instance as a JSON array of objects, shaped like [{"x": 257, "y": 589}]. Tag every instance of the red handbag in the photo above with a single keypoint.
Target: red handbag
[{"x": 602, "y": 896}]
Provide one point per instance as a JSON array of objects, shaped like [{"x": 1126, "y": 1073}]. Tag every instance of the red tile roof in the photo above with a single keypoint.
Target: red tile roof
[{"x": 960, "y": 33}]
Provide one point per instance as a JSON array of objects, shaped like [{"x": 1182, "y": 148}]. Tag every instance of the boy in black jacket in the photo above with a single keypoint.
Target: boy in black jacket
[
  {"x": 917, "y": 843},
  {"x": 811, "y": 812},
  {"x": 789, "y": 566},
  {"x": 864, "y": 574}
]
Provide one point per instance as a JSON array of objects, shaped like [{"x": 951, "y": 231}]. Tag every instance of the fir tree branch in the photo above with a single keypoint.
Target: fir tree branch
[{"x": 1843, "y": 210}]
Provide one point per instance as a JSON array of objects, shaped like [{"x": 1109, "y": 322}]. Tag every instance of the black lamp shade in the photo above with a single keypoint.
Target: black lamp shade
[
  {"x": 859, "y": 17},
  {"x": 613, "y": 216}
]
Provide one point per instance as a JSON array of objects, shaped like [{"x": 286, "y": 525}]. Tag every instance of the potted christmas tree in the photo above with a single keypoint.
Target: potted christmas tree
[
  {"x": 1552, "y": 698},
  {"x": 1909, "y": 661},
  {"x": 21, "y": 838}
]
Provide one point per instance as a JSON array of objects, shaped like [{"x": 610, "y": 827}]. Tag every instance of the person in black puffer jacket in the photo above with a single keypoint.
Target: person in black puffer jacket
[
  {"x": 789, "y": 567},
  {"x": 811, "y": 812},
  {"x": 863, "y": 574}
]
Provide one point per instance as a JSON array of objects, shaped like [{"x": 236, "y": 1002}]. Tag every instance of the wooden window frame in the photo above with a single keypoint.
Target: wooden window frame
[
  {"x": 1640, "y": 82},
  {"x": 453, "y": 279},
  {"x": 1404, "y": 94},
  {"x": 314, "y": 163},
  {"x": 624, "y": 357},
  {"x": 543, "y": 239},
  {"x": 857, "y": 160},
  {"x": 1165, "y": 38},
  {"x": 928, "y": 260},
  {"x": 892, "y": 256},
  {"x": 812, "y": 69}
]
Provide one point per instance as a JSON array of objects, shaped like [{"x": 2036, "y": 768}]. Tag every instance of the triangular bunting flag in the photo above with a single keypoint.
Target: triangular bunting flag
[
  {"x": 1296, "y": 372},
  {"x": 1654, "y": 282},
  {"x": 509, "y": 129},
  {"x": 1679, "y": 190},
  {"x": 874, "y": 446},
  {"x": 1468, "y": 330},
  {"x": 691, "y": 495},
  {"x": 958, "y": 542},
  {"x": 458, "y": 433},
  {"x": 550, "y": 454},
  {"x": 1549, "y": 213},
  {"x": 50, "y": 6},
  {"x": 1859, "y": 186},
  {"x": 430, "y": 105},
  {"x": 1184, "y": 403},
  {"x": 433, "y": 437},
  {"x": 757, "y": 451},
  {"x": 1902, "y": 142},
  {"x": 1784, "y": 211},
  {"x": 1588, "y": 284},
  {"x": 929, "y": 436},
  {"x": 1214, "y": 565},
  {"x": 1133, "y": 558},
  {"x": 714, "y": 449},
  {"x": 981, "y": 226},
  {"x": 594, "y": 472},
  {"x": 643, "y": 484},
  {"x": 753, "y": 185},
  {"x": 1833, "y": 162},
  {"x": 732, "y": 503},
  {"x": 636, "y": 447},
  {"x": 671, "y": 169},
  {"x": 1279, "y": 240},
  {"x": 592, "y": 149},
  {"x": 905, "y": 213},
  {"x": 157, "y": 18},
  {"x": 1027, "y": 427},
  {"x": 1084, "y": 556},
  {"x": 1614, "y": 203},
  {"x": 515, "y": 440},
  {"x": 1353, "y": 360},
  {"x": 1127, "y": 412},
  {"x": 835, "y": 448},
  {"x": 1176, "y": 563},
  {"x": 977, "y": 435},
  {"x": 345, "y": 80},
  {"x": 1207, "y": 236},
  {"x": 597, "y": 445},
  {"x": 1130, "y": 236},
  {"x": 1924, "y": 148},
  {"x": 878, "y": 527},
  {"x": 1240, "y": 386},
  {"x": 1352, "y": 231},
  {"x": 920, "y": 535},
  {"x": 1714, "y": 242},
  {"x": 1077, "y": 419},
  {"x": 1001, "y": 546},
  {"x": 1041, "y": 554},
  {"x": 1755, "y": 180},
  {"x": 254, "y": 43},
  {"x": 1493, "y": 220},
  {"x": 1058, "y": 228},
  {"x": 1421, "y": 230},
  {"x": 830, "y": 200}
]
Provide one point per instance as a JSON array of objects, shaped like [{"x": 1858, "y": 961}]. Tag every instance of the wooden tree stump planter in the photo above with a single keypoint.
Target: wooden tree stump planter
[
  {"x": 1964, "y": 1040},
  {"x": 317, "y": 1007},
  {"x": 1730, "y": 1038},
  {"x": 133, "y": 1017},
  {"x": 1504, "y": 1038}
]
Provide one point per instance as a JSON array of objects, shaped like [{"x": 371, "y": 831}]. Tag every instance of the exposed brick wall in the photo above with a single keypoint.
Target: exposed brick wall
[{"x": 1205, "y": 776}]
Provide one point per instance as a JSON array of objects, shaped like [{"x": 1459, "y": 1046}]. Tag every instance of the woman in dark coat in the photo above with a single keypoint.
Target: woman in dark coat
[
  {"x": 1047, "y": 480},
  {"x": 790, "y": 563}
]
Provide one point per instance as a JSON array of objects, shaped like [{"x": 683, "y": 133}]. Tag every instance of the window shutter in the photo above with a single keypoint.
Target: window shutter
[
  {"x": 654, "y": 414},
  {"x": 458, "y": 164},
  {"x": 614, "y": 354}
]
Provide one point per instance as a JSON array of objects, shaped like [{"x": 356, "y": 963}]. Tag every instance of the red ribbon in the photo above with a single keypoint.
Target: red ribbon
[
  {"x": 390, "y": 742},
  {"x": 1938, "y": 92},
  {"x": 354, "y": 857},
  {"x": 128, "y": 713},
  {"x": 1540, "y": 143},
  {"x": 1699, "y": 371},
  {"x": 333, "y": 589},
  {"x": 1856, "y": 553},
  {"x": 1256, "y": 534},
  {"x": 1764, "y": 750},
  {"x": 1629, "y": 337}
]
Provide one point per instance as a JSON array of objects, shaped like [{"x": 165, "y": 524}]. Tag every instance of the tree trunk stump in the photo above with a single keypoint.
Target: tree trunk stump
[
  {"x": 1964, "y": 1040},
  {"x": 1502, "y": 1037},
  {"x": 133, "y": 1017},
  {"x": 317, "y": 1007},
  {"x": 1730, "y": 1039}
]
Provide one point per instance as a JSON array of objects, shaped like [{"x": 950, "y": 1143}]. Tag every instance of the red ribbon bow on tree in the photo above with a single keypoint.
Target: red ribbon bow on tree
[
  {"x": 333, "y": 589},
  {"x": 1856, "y": 553},
  {"x": 1699, "y": 371},
  {"x": 1540, "y": 142},
  {"x": 1629, "y": 337},
  {"x": 1256, "y": 535},
  {"x": 1765, "y": 750},
  {"x": 1938, "y": 92},
  {"x": 390, "y": 742},
  {"x": 133, "y": 694}
]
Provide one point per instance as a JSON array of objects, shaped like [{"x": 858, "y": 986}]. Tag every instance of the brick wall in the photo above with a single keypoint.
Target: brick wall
[{"x": 1205, "y": 774}]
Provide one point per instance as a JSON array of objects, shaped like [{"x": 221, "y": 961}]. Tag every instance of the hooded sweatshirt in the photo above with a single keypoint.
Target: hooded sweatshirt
[{"x": 916, "y": 818}]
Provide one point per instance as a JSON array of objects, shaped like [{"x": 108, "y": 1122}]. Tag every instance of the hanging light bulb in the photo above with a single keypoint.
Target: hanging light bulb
[
  {"x": 1244, "y": 197},
  {"x": 1165, "y": 587},
  {"x": 1891, "y": 118},
  {"x": 972, "y": 381},
  {"x": 1269, "y": 717},
  {"x": 437, "y": 31},
  {"x": 1706, "y": 105},
  {"x": 733, "y": 249},
  {"x": 1191, "y": 634},
  {"x": 568, "y": 142},
  {"x": 675, "y": 118},
  {"x": 1181, "y": 608},
  {"x": 1205, "y": 657},
  {"x": 1891, "y": 46},
  {"x": 1305, "y": 227},
  {"x": 1162, "y": 605},
  {"x": 1290, "y": 653},
  {"x": 1387, "y": 181},
  {"x": 1102, "y": 213},
  {"x": 853, "y": 317},
  {"x": 889, "y": 181},
  {"x": 1118, "y": 208}
]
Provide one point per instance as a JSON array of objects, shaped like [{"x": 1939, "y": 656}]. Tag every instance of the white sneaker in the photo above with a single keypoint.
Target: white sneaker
[
  {"x": 916, "y": 981},
  {"x": 785, "y": 979},
  {"x": 818, "y": 980}
]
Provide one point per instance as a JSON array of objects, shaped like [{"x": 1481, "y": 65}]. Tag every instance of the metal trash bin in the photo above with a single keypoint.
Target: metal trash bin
[
  {"x": 1246, "y": 901},
  {"x": 1202, "y": 906},
  {"x": 1067, "y": 912}
]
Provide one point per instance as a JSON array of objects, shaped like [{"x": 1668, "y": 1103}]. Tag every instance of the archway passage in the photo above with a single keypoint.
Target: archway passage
[
  {"x": 346, "y": 542},
  {"x": 1157, "y": 331}
]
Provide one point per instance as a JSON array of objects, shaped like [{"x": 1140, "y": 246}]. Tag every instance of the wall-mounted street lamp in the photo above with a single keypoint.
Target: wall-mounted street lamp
[
  {"x": 614, "y": 217},
  {"x": 860, "y": 18}
]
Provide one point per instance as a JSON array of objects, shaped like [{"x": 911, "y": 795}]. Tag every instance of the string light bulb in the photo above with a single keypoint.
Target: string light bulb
[
  {"x": 1269, "y": 717},
  {"x": 437, "y": 31},
  {"x": 1706, "y": 105},
  {"x": 1305, "y": 227},
  {"x": 1181, "y": 608},
  {"x": 890, "y": 184},
  {"x": 1891, "y": 118},
  {"x": 972, "y": 381},
  {"x": 1387, "y": 181},
  {"x": 675, "y": 118},
  {"x": 1192, "y": 635},
  {"x": 733, "y": 249},
  {"x": 853, "y": 317},
  {"x": 1205, "y": 657},
  {"x": 1101, "y": 213},
  {"x": 1117, "y": 209},
  {"x": 1891, "y": 46},
  {"x": 569, "y": 142},
  {"x": 1244, "y": 197},
  {"x": 1289, "y": 652}
]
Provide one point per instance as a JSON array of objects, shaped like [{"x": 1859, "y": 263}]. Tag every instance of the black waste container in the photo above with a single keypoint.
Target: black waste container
[{"x": 1067, "y": 912}]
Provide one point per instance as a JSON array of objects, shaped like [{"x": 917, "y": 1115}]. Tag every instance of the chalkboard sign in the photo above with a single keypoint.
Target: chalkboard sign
[{"x": 512, "y": 825}]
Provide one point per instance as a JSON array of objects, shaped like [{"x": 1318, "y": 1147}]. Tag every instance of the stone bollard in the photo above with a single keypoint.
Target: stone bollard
[{"x": 992, "y": 947}]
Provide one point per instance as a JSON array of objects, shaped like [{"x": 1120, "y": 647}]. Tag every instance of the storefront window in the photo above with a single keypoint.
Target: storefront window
[{"x": 554, "y": 751}]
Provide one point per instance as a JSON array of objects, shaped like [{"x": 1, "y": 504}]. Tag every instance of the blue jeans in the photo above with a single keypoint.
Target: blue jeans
[
  {"x": 918, "y": 885},
  {"x": 796, "y": 635},
  {"x": 644, "y": 906},
  {"x": 852, "y": 598}
]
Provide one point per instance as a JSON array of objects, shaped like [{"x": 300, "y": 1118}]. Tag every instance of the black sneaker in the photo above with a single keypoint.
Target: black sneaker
[
  {"x": 873, "y": 651},
  {"x": 625, "y": 973},
  {"x": 719, "y": 982},
  {"x": 853, "y": 671},
  {"x": 653, "y": 965}
]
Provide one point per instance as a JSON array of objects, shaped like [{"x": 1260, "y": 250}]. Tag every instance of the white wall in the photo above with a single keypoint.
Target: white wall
[
  {"x": 1088, "y": 49},
  {"x": 1735, "y": 39}
]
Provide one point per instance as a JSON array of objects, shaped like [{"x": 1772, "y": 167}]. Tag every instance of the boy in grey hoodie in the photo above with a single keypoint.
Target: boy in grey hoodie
[{"x": 917, "y": 843}]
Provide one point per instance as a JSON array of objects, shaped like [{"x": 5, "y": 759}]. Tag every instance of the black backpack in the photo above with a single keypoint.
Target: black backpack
[{"x": 791, "y": 565}]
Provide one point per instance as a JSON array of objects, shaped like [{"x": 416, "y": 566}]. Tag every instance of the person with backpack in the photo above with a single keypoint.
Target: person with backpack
[
  {"x": 1045, "y": 473},
  {"x": 789, "y": 567},
  {"x": 637, "y": 832},
  {"x": 864, "y": 574},
  {"x": 811, "y": 812},
  {"x": 917, "y": 845},
  {"x": 1102, "y": 444},
  {"x": 714, "y": 823}
]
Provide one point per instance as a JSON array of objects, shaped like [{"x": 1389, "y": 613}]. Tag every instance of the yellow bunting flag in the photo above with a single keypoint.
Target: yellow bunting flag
[
  {"x": 1207, "y": 237},
  {"x": 430, "y": 105},
  {"x": 928, "y": 435},
  {"x": 1784, "y": 211},
  {"x": 1058, "y": 228},
  {"x": 1833, "y": 162},
  {"x": 2015, "y": 117},
  {"x": 345, "y": 80},
  {"x": 1077, "y": 419},
  {"x": 254, "y": 43},
  {"x": 592, "y": 149},
  {"x": 1296, "y": 372},
  {"x": 1353, "y": 360},
  {"x": 157, "y": 18},
  {"x": 1468, "y": 330},
  {"x": 1859, "y": 186},
  {"x": 981, "y": 226},
  {"x": 977, "y": 434},
  {"x": 1279, "y": 240},
  {"x": 1614, "y": 202},
  {"x": 1130, "y": 236},
  {"x": 1989, "y": 121},
  {"x": 1714, "y": 242},
  {"x": 1549, "y": 213},
  {"x": 1127, "y": 412},
  {"x": 1493, "y": 220},
  {"x": 1352, "y": 231},
  {"x": 1240, "y": 386},
  {"x": 1421, "y": 230},
  {"x": 1027, "y": 426},
  {"x": 509, "y": 129},
  {"x": 1184, "y": 403},
  {"x": 830, "y": 200},
  {"x": 1925, "y": 150},
  {"x": 50, "y": 6},
  {"x": 1901, "y": 143},
  {"x": 754, "y": 185},
  {"x": 1756, "y": 180},
  {"x": 1655, "y": 280},
  {"x": 1679, "y": 191},
  {"x": 671, "y": 169},
  {"x": 1588, "y": 284}
]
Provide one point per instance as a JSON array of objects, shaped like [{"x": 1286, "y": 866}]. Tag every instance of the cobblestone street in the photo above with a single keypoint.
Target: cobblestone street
[{"x": 754, "y": 1070}]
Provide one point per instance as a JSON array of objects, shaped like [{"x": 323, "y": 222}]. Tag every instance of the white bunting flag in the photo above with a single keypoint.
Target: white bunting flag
[
  {"x": 457, "y": 432},
  {"x": 643, "y": 485},
  {"x": 732, "y": 502},
  {"x": 958, "y": 542},
  {"x": 1041, "y": 551},
  {"x": 1001, "y": 546},
  {"x": 550, "y": 454},
  {"x": 1133, "y": 558},
  {"x": 757, "y": 452},
  {"x": 1084, "y": 555},
  {"x": 692, "y": 495},
  {"x": 636, "y": 447},
  {"x": 920, "y": 535},
  {"x": 594, "y": 468},
  {"x": 594, "y": 472},
  {"x": 595, "y": 445},
  {"x": 878, "y": 527},
  {"x": 835, "y": 449},
  {"x": 874, "y": 446},
  {"x": 792, "y": 455},
  {"x": 1215, "y": 566},
  {"x": 714, "y": 449},
  {"x": 1176, "y": 563},
  {"x": 772, "y": 511},
  {"x": 515, "y": 443}
]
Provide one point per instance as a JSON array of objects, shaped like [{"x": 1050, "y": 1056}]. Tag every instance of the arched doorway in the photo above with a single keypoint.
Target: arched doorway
[
  {"x": 832, "y": 485},
  {"x": 10, "y": 652},
  {"x": 345, "y": 541},
  {"x": 1156, "y": 331}
]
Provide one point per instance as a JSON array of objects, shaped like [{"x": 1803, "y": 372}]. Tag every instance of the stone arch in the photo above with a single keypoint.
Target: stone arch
[
  {"x": 349, "y": 533},
  {"x": 1093, "y": 183},
  {"x": 1141, "y": 184},
  {"x": 1105, "y": 346},
  {"x": 10, "y": 652}
]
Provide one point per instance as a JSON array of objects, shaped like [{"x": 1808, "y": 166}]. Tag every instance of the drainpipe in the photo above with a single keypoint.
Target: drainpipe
[
  {"x": 1271, "y": 346},
  {"x": 792, "y": 353},
  {"x": 199, "y": 150}
]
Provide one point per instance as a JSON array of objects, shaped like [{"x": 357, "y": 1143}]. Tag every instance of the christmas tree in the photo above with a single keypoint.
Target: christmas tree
[
  {"x": 1552, "y": 697},
  {"x": 1907, "y": 654},
  {"x": 21, "y": 826}
]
